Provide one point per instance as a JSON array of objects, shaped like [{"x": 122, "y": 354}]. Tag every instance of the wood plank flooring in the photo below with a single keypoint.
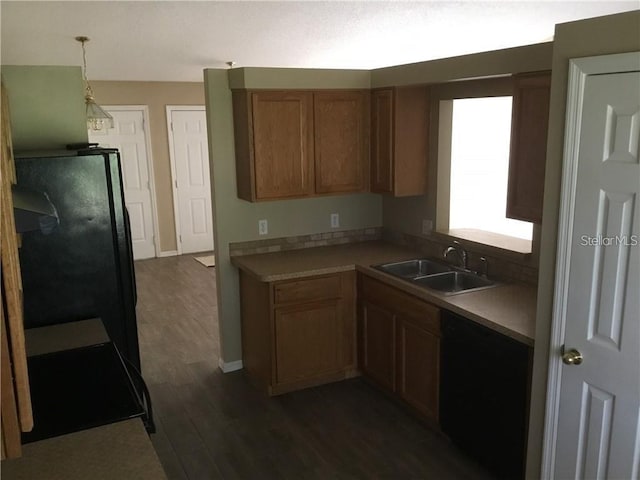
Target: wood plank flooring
[{"x": 217, "y": 426}]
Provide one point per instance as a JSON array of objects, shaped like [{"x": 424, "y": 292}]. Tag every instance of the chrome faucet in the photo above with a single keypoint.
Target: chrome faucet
[{"x": 462, "y": 253}]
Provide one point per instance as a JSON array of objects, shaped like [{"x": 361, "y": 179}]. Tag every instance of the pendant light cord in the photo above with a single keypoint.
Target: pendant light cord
[{"x": 88, "y": 89}]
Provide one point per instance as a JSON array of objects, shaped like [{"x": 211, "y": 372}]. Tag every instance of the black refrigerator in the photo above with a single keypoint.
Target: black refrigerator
[{"x": 84, "y": 268}]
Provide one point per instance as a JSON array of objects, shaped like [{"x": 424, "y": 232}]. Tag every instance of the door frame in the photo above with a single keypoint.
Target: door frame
[
  {"x": 152, "y": 184},
  {"x": 172, "y": 159},
  {"x": 579, "y": 70}
]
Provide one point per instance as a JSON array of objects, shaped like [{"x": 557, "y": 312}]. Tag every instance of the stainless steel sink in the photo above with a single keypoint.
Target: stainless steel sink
[
  {"x": 414, "y": 268},
  {"x": 454, "y": 282},
  {"x": 437, "y": 276}
]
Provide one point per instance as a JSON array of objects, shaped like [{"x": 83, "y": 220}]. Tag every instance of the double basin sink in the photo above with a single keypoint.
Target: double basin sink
[{"x": 434, "y": 275}]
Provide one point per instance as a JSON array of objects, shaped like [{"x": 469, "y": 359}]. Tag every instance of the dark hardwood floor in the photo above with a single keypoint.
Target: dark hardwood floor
[{"x": 213, "y": 425}]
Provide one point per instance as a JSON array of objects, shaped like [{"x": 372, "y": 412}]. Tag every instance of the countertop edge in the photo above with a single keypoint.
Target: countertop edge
[
  {"x": 295, "y": 275},
  {"x": 442, "y": 301},
  {"x": 447, "y": 302}
]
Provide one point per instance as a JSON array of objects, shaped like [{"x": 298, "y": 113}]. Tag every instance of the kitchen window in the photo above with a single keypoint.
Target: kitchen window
[{"x": 473, "y": 166}]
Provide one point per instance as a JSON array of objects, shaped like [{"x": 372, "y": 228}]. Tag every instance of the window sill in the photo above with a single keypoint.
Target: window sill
[{"x": 491, "y": 243}]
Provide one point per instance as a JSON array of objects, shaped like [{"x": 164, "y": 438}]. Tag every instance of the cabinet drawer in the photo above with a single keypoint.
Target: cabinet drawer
[
  {"x": 316, "y": 288},
  {"x": 423, "y": 314},
  {"x": 427, "y": 319}
]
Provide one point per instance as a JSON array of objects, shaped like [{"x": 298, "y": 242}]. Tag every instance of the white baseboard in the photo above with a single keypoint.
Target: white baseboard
[
  {"x": 168, "y": 253},
  {"x": 227, "y": 367}
]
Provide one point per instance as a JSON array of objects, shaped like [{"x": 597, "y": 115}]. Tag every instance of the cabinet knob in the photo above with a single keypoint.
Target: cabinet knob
[{"x": 571, "y": 356}]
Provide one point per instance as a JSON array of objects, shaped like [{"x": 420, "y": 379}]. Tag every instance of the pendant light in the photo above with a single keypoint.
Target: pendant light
[{"x": 97, "y": 117}]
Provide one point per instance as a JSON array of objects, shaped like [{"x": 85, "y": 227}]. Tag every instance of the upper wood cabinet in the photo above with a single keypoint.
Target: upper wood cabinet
[
  {"x": 292, "y": 144},
  {"x": 341, "y": 141},
  {"x": 382, "y": 141},
  {"x": 530, "y": 119},
  {"x": 274, "y": 144},
  {"x": 399, "y": 140}
]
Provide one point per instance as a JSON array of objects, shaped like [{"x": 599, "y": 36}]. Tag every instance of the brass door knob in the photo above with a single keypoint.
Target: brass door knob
[{"x": 571, "y": 357}]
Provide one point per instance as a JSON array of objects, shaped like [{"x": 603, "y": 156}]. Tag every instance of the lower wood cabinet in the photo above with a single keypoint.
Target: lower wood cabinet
[
  {"x": 378, "y": 345},
  {"x": 399, "y": 345},
  {"x": 298, "y": 333},
  {"x": 308, "y": 341},
  {"x": 418, "y": 366}
]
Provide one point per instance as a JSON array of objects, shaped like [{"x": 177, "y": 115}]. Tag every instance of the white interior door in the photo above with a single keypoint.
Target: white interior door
[
  {"x": 192, "y": 184},
  {"x": 595, "y": 404},
  {"x": 129, "y": 137}
]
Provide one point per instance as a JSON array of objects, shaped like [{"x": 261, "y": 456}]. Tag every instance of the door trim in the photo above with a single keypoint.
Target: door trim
[
  {"x": 152, "y": 185},
  {"x": 579, "y": 70},
  {"x": 172, "y": 159}
]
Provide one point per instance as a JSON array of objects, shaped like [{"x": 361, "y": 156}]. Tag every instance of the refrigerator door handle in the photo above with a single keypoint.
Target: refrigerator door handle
[{"x": 130, "y": 253}]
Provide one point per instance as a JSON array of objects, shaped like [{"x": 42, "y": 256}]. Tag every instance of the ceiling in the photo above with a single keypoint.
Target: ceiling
[{"x": 176, "y": 40}]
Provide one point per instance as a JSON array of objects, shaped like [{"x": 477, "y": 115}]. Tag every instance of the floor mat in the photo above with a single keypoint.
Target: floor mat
[{"x": 207, "y": 261}]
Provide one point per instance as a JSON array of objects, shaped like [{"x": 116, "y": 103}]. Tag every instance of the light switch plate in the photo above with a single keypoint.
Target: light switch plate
[{"x": 335, "y": 220}]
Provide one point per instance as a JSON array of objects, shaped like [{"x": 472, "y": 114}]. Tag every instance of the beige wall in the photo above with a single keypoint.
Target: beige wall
[
  {"x": 237, "y": 220},
  {"x": 156, "y": 95},
  {"x": 598, "y": 36},
  {"x": 47, "y": 106}
]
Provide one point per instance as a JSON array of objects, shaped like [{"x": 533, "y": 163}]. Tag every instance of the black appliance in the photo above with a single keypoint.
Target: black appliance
[
  {"x": 84, "y": 267},
  {"x": 484, "y": 395},
  {"x": 81, "y": 388}
]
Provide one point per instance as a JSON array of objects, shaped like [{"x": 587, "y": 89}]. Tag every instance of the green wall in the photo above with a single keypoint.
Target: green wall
[
  {"x": 406, "y": 214},
  {"x": 529, "y": 58},
  {"x": 47, "y": 106},
  {"x": 237, "y": 220},
  {"x": 298, "y": 78}
]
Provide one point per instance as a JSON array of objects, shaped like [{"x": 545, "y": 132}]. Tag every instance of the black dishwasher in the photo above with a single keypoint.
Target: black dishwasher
[{"x": 484, "y": 395}]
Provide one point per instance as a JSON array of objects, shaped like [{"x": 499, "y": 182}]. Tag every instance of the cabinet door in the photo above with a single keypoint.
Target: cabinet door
[
  {"x": 411, "y": 141},
  {"x": 282, "y": 144},
  {"x": 378, "y": 345},
  {"x": 308, "y": 341},
  {"x": 340, "y": 141},
  {"x": 400, "y": 140},
  {"x": 418, "y": 367},
  {"x": 528, "y": 153},
  {"x": 382, "y": 141}
]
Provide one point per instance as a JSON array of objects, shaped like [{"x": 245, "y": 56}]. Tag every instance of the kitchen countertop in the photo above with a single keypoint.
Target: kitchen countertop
[
  {"x": 290, "y": 264},
  {"x": 506, "y": 308},
  {"x": 120, "y": 450},
  {"x": 64, "y": 336}
]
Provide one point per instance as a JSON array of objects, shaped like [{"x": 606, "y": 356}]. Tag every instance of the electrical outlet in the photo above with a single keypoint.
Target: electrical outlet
[
  {"x": 335, "y": 220},
  {"x": 427, "y": 226},
  {"x": 263, "y": 227}
]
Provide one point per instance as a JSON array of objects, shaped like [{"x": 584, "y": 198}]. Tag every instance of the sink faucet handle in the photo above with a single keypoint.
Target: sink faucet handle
[{"x": 484, "y": 267}]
